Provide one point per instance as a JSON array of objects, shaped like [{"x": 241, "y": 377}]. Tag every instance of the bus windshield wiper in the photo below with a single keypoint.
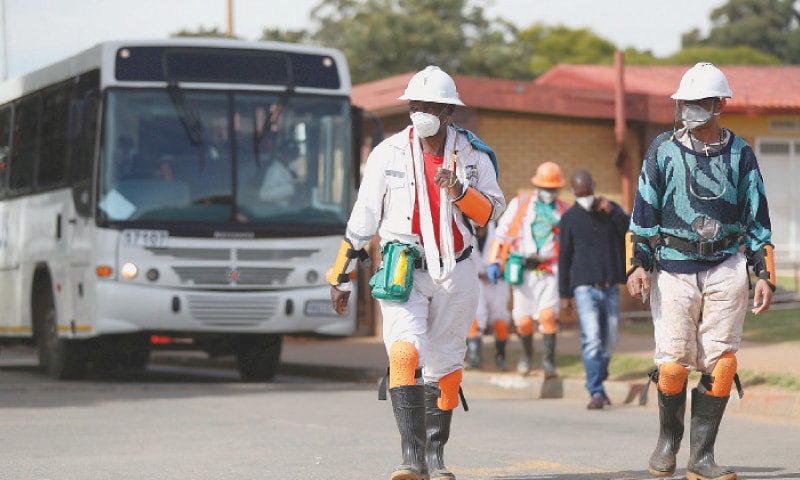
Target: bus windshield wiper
[{"x": 188, "y": 116}]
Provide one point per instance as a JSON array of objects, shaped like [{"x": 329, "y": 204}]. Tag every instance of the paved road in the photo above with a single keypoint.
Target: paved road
[{"x": 201, "y": 425}]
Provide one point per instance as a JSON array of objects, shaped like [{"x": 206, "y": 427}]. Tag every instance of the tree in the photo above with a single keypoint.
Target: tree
[
  {"x": 741, "y": 55},
  {"x": 388, "y": 37},
  {"x": 498, "y": 53},
  {"x": 291, "y": 36},
  {"x": 559, "y": 44},
  {"x": 201, "y": 32},
  {"x": 770, "y": 26}
]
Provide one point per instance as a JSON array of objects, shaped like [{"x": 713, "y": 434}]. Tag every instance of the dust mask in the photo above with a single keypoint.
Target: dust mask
[
  {"x": 585, "y": 202},
  {"x": 425, "y": 124},
  {"x": 695, "y": 116},
  {"x": 546, "y": 196}
]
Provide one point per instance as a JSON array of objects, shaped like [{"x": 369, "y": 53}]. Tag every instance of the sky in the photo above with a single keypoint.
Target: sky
[{"x": 38, "y": 32}]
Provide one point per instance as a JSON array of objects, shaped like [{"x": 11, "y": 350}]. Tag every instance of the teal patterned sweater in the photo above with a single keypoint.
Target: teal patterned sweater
[{"x": 696, "y": 198}]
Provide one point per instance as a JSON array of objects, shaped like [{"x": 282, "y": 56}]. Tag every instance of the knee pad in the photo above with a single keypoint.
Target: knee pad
[
  {"x": 525, "y": 326},
  {"x": 500, "y": 330},
  {"x": 547, "y": 321},
  {"x": 474, "y": 331},
  {"x": 449, "y": 386},
  {"x": 722, "y": 376},
  {"x": 672, "y": 378},
  {"x": 403, "y": 361}
]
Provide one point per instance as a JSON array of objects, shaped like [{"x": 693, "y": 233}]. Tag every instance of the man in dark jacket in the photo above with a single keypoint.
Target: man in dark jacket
[{"x": 591, "y": 265}]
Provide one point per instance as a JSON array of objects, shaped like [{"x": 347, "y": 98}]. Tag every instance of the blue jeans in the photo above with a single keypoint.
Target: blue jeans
[{"x": 598, "y": 312}]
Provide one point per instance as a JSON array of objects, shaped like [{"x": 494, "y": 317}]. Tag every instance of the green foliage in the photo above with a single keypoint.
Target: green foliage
[
  {"x": 554, "y": 45},
  {"x": 739, "y": 55},
  {"x": 381, "y": 38},
  {"x": 202, "y": 32},
  {"x": 290, "y": 36},
  {"x": 769, "y": 26}
]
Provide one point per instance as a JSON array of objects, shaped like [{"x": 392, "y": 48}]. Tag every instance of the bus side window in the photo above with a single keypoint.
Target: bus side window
[
  {"x": 24, "y": 143},
  {"x": 52, "y": 171},
  {"x": 5, "y": 139}
]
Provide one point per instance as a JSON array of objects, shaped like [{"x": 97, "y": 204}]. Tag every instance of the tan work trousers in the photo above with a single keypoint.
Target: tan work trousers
[{"x": 699, "y": 316}]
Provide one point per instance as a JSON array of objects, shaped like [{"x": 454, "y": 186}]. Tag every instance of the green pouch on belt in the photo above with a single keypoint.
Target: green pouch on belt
[
  {"x": 512, "y": 273},
  {"x": 395, "y": 276}
]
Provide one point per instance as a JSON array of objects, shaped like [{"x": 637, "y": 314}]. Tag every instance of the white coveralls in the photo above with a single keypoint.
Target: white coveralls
[
  {"x": 437, "y": 316},
  {"x": 539, "y": 288},
  {"x": 493, "y": 300}
]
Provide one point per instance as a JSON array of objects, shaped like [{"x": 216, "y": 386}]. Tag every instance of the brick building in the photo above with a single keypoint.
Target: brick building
[{"x": 603, "y": 117}]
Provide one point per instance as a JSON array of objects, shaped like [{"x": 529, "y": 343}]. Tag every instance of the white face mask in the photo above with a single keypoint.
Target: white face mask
[
  {"x": 546, "y": 196},
  {"x": 695, "y": 116},
  {"x": 425, "y": 124},
  {"x": 585, "y": 202}
]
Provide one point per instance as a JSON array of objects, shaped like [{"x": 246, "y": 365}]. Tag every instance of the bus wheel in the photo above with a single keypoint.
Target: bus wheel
[
  {"x": 258, "y": 356},
  {"x": 59, "y": 357}
]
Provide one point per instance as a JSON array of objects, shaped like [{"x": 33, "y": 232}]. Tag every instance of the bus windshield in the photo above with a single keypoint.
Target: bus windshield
[{"x": 265, "y": 159}]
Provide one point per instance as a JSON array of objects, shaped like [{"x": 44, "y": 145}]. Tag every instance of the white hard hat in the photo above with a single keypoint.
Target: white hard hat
[
  {"x": 432, "y": 85},
  {"x": 704, "y": 80}
]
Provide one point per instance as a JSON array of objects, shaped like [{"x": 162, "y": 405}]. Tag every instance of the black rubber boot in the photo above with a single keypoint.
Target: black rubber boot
[
  {"x": 524, "y": 365},
  {"x": 408, "y": 403},
  {"x": 438, "y": 427},
  {"x": 549, "y": 355},
  {"x": 475, "y": 352},
  {"x": 671, "y": 410},
  {"x": 500, "y": 355},
  {"x": 707, "y": 413}
]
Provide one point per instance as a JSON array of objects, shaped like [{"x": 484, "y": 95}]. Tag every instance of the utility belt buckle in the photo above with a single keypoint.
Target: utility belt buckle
[{"x": 706, "y": 249}]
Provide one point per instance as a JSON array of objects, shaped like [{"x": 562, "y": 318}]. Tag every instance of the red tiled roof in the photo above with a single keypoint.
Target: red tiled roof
[
  {"x": 588, "y": 91},
  {"x": 490, "y": 93},
  {"x": 756, "y": 88}
]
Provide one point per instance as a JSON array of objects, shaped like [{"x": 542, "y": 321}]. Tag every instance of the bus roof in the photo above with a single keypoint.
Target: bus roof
[{"x": 105, "y": 54}]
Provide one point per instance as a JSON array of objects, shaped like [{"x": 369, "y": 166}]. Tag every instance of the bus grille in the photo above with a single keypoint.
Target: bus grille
[
  {"x": 228, "y": 276},
  {"x": 243, "y": 254},
  {"x": 194, "y": 253},
  {"x": 218, "y": 310},
  {"x": 273, "y": 254}
]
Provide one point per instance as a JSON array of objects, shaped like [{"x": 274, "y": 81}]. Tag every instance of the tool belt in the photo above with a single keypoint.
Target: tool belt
[
  {"x": 705, "y": 249},
  {"x": 531, "y": 263},
  {"x": 421, "y": 264}
]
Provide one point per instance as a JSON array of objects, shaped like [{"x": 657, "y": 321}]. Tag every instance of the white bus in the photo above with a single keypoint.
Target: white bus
[{"x": 183, "y": 193}]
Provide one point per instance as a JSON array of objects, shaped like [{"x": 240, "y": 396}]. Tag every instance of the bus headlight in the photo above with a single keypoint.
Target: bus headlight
[{"x": 129, "y": 271}]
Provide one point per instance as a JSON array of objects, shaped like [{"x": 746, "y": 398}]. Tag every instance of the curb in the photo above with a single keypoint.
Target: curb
[{"x": 758, "y": 401}]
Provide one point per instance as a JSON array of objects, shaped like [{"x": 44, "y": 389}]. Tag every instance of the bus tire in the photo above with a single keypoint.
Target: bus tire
[
  {"x": 258, "y": 356},
  {"x": 61, "y": 358}
]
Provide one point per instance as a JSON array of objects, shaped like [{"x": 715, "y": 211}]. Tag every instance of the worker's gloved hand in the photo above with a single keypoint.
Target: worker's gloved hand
[{"x": 493, "y": 272}]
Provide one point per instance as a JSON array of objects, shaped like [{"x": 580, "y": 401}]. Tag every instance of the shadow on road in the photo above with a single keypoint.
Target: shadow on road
[{"x": 743, "y": 473}]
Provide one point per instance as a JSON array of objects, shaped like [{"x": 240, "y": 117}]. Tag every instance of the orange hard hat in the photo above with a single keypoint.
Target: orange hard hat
[{"x": 548, "y": 175}]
